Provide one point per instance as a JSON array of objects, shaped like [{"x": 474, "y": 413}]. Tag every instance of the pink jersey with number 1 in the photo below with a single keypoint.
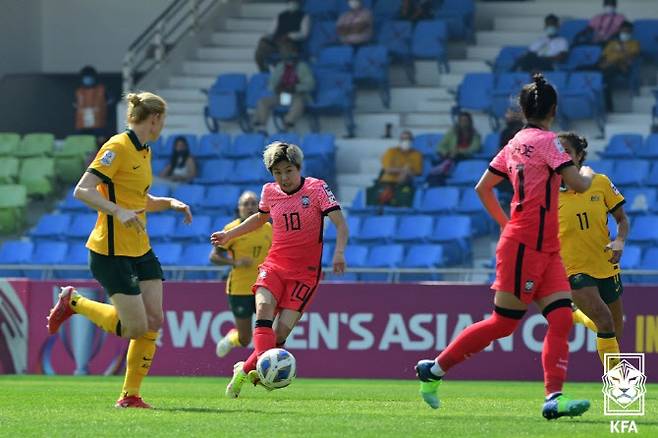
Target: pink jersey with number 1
[{"x": 297, "y": 225}]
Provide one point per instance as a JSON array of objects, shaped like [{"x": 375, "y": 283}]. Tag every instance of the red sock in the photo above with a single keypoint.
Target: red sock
[
  {"x": 475, "y": 338},
  {"x": 264, "y": 339},
  {"x": 555, "y": 355}
]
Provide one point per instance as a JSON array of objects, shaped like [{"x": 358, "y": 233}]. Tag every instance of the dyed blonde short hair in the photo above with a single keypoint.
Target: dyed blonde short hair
[
  {"x": 141, "y": 105},
  {"x": 278, "y": 151}
]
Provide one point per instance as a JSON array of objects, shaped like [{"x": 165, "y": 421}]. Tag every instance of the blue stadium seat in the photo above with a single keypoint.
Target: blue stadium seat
[
  {"x": 211, "y": 145},
  {"x": 470, "y": 204},
  {"x": 385, "y": 256},
  {"x": 160, "y": 190},
  {"x": 167, "y": 150},
  {"x": 318, "y": 144},
  {"x": 249, "y": 170},
  {"x": 353, "y": 225},
  {"x": 428, "y": 42},
  {"x": 569, "y": 28},
  {"x": 198, "y": 230},
  {"x": 327, "y": 254},
  {"x": 52, "y": 226},
  {"x": 489, "y": 147},
  {"x": 454, "y": 232},
  {"x": 649, "y": 262},
  {"x": 15, "y": 252},
  {"x": 335, "y": 58},
  {"x": 652, "y": 179},
  {"x": 359, "y": 207},
  {"x": 474, "y": 92},
  {"x": 644, "y": 229},
  {"x": 583, "y": 98},
  {"x": 158, "y": 165},
  {"x": 605, "y": 167},
  {"x": 215, "y": 171},
  {"x": 77, "y": 254},
  {"x": 246, "y": 146},
  {"x": 507, "y": 57},
  {"x": 646, "y": 32},
  {"x": 468, "y": 172},
  {"x": 47, "y": 253},
  {"x": 71, "y": 204},
  {"x": 631, "y": 257},
  {"x": 423, "y": 256},
  {"x": 191, "y": 194},
  {"x": 557, "y": 79},
  {"x": 505, "y": 94},
  {"x": 81, "y": 225},
  {"x": 650, "y": 148},
  {"x": 630, "y": 172},
  {"x": 371, "y": 65},
  {"x": 285, "y": 137},
  {"x": 439, "y": 200},
  {"x": 355, "y": 255},
  {"x": 639, "y": 200},
  {"x": 377, "y": 228},
  {"x": 169, "y": 254},
  {"x": 321, "y": 8},
  {"x": 334, "y": 94},
  {"x": 396, "y": 35},
  {"x": 220, "y": 222},
  {"x": 226, "y": 101},
  {"x": 458, "y": 15},
  {"x": 581, "y": 57},
  {"x": 160, "y": 227},
  {"x": 257, "y": 89},
  {"x": 322, "y": 34},
  {"x": 222, "y": 197},
  {"x": 386, "y": 10},
  {"x": 623, "y": 146},
  {"x": 197, "y": 254},
  {"x": 427, "y": 144},
  {"x": 414, "y": 228}
]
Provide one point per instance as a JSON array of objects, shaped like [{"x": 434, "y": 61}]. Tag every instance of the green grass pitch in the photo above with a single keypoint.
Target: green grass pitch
[{"x": 194, "y": 406}]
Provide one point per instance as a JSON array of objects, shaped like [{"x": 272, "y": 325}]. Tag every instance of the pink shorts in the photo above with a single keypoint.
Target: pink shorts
[
  {"x": 527, "y": 273},
  {"x": 290, "y": 292}
]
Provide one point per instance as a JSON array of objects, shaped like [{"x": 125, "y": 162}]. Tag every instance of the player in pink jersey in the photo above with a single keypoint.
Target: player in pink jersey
[
  {"x": 528, "y": 263},
  {"x": 288, "y": 278}
]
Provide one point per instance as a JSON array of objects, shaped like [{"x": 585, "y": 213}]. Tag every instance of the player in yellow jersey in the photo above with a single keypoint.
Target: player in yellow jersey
[
  {"x": 116, "y": 184},
  {"x": 246, "y": 253},
  {"x": 590, "y": 258}
]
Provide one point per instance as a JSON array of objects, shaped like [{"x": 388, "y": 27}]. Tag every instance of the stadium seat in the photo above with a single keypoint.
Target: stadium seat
[
  {"x": 210, "y": 146},
  {"x": 285, "y": 137},
  {"x": 454, "y": 232},
  {"x": 644, "y": 229},
  {"x": 47, "y": 253},
  {"x": 321, "y": 8},
  {"x": 169, "y": 254},
  {"x": 257, "y": 88},
  {"x": 221, "y": 197},
  {"x": 248, "y": 171},
  {"x": 197, "y": 254},
  {"x": 426, "y": 256},
  {"x": 583, "y": 98},
  {"x": 226, "y": 101},
  {"x": 470, "y": 204},
  {"x": 474, "y": 92},
  {"x": 8, "y": 170},
  {"x": 246, "y": 146},
  {"x": 386, "y": 10},
  {"x": 377, "y": 228},
  {"x": 428, "y": 42},
  {"x": 630, "y": 172},
  {"x": 646, "y": 32},
  {"x": 631, "y": 257},
  {"x": 168, "y": 148},
  {"x": 158, "y": 165},
  {"x": 327, "y": 254},
  {"x": 649, "y": 262},
  {"x": 355, "y": 255},
  {"x": 382, "y": 256},
  {"x": 322, "y": 34},
  {"x": 198, "y": 230},
  {"x": 9, "y": 142},
  {"x": 414, "y": 228},
  {"x": 191, "y": 194},
  {"x": 507, "y": 57},
  {"x": 427, "y": 144},
  {"x": 15, "y": 252},
  {"x": 77, "y": 254},
  {"x": 570, "y": 28},
  {"x": 35, "y": 145},
  {"x": 652, "y": 179},
  {"x": 81, "y": 225},
  {"x": 353, "y": 225},
  {"x": 649, "y": 149},
  {"x": 221, "y": 221},
  {"x": 52, "y": 226},
  {"x": 557, "y": 79},
  {"x": 37, "y": 175},
  {"x": 71, "y": 204},
  {"x": 468, "y": 172},
  {"x": 603, "y": 166},
  {"x": 13, "y": 200},
  {"x": 319, "y": 144},
  {"x": 334, "y": 94},
  {"x": 458, "y": 15},
  {"x": 490, "y": 146},
  {"x": 76, "y": 146},
  {"x": 623, "y": 146},
  {"x": 215, "y": 171},
  {"x": 439, "y": 200},
  {"x": 504, "y": 95},
  {"x": 582, "y": 57},
  {"x": 396, "y": 35},
  {"x": 335, "y": 58},
  {"x": 160, "y": 227},
  {"x": 639, "y": 200},
  {"x": 159, "y": 190},
  {"x": 371, "y": 65}
]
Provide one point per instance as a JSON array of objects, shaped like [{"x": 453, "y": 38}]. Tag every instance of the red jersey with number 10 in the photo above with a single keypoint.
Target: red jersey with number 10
[
  {"x": 297, "y": 224},
  {"x": 532, "y": 161}
]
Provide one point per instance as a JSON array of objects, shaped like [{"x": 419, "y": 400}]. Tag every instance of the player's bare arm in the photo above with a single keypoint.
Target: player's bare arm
[
  {"x": 617, "y": 245},
  {"x": 253, "y": 222},
  {"x": 578, "y": 180},
  {"x": 86, "y": 192},
  {"x": 342, "y": 234},
  {"x": 485, "y": 190},
  {"x": 155, "y": 203}
]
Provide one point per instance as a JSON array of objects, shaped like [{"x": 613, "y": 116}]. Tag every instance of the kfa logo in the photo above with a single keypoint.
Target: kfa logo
[{"x": 624, "y": 389}]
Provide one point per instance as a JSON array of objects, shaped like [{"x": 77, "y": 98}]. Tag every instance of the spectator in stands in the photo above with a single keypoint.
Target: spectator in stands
[
  {"x": 602, "y": 27},
  {"x": 461, "y": 142},
  {"x": 355, "y": 27},
  {"x": 416, "y": 10},
  {"x": 290, "y": 28},
  {"x": 400, "y": 164},
  {"x": 91, "y": 102},
  {"x": 617, "y": 59},
  {"x": 291, "y": 82},
  {"x": 181, "y": 167},
  {"x": 513, "y": 124},
  {"x": 546, "y": 51}
]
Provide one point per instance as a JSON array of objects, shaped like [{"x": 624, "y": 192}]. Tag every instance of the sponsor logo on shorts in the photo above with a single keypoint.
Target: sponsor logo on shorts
[
  {"x": 529, "y": 285},
  {"x": 107, "y": 158}
]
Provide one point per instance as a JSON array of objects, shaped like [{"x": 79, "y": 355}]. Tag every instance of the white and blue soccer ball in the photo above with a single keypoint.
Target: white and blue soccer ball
[{"x": 276, "y": 368}]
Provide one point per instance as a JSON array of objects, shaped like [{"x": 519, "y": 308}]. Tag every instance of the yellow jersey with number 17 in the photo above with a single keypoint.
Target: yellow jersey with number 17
[
  {"x": 254, "y": 246},
  {"x": 584, "y": 228}
]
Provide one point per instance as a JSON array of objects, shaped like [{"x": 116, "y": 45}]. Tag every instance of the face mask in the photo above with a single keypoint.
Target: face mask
[
  {"x": 405, "y": 145},
  {"x": 88, "y": 81},
  {"x": 624, "y": 36},
  {"x": 609, "y": 9},
  {"x": 293, "y": 6},
  {"x": 354, "y": 4},
  {"x": 550, "y": 31}
]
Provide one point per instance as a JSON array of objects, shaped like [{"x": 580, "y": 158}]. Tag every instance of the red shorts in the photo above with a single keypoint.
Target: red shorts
[
  {"x": 528, "y": 274},
  {"x": 291, "y": 292}
]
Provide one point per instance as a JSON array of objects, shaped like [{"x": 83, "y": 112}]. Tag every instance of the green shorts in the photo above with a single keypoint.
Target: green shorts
[
  {"x": 242, "y": 306},
  {"x": 122, "y": 274},
  {"x": 610, "y": 289}
]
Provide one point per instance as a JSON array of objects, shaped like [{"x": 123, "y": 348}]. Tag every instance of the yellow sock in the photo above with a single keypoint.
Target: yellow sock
[
  {"x": 234, "y": 338},
  {"x": 580, "y": 318},
  {"x": 103, "y": 315},
  {"x": 138, "y": 362},
  {"x": 607, "y": 343}
]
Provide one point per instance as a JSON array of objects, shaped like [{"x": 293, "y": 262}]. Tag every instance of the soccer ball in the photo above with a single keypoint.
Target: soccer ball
[{"x": 276, "y": 368}]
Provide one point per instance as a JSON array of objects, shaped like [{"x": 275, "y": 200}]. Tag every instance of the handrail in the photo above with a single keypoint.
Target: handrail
[{"x": 164, "y": 34}]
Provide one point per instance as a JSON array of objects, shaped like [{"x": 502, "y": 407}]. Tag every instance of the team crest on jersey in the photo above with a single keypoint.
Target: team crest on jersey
[
  {"x": 595, "y": 198},
  {"x": 262, "y": 274},
  {"x": 305, "y": 201},
  {"x": 529, "y": 285},
  {"x": 329, "y": 193},
  {"x": 107, "y": 158}
]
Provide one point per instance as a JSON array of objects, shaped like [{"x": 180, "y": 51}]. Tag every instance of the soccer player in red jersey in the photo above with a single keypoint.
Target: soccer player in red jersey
[
  {"x": 288, "y": 278},
  {"x": 528, "y": 264}
]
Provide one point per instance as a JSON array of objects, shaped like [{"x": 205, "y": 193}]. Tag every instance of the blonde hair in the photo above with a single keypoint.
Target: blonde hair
[
  {"x": 278, "y": 151},
  {"x": 141, "y": 105}
]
